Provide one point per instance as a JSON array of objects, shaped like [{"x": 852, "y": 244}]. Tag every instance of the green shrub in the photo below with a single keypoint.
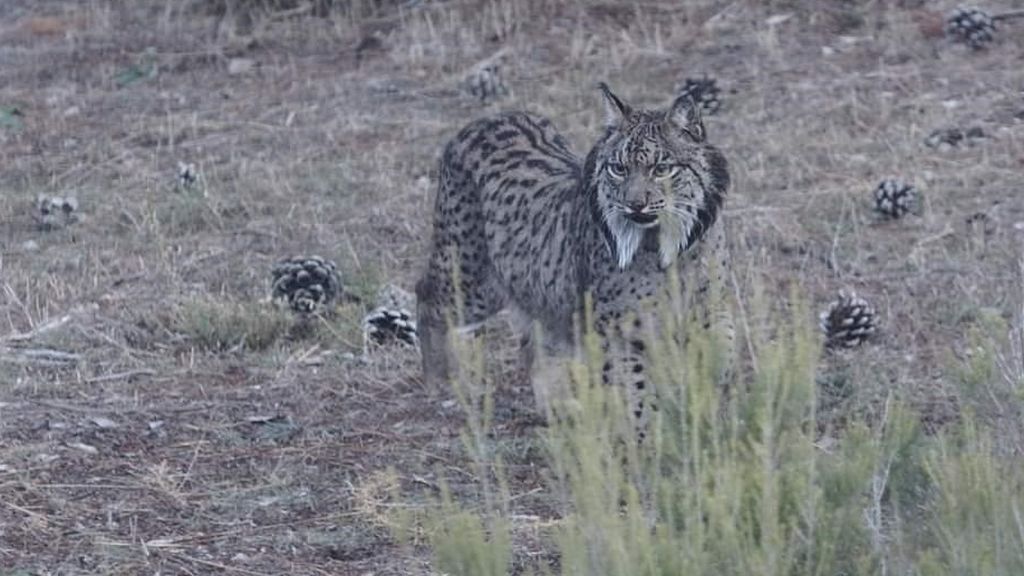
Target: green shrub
[{"x": 734, "y": 478}]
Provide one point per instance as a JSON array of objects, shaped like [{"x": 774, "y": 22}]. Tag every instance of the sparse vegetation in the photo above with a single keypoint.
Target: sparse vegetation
[
  {"x": 156, "y": 416},
  {"x": 740, "y": 480},
  {"x": 220, "y": 326}
]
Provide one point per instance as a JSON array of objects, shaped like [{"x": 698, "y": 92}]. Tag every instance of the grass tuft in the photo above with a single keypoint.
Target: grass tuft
[{"x": 220, "y": 326}]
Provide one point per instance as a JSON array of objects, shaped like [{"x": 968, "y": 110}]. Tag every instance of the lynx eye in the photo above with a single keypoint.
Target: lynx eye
[
  {"x": 664, "y": 170},
  {"x": 615, "y": 170}
]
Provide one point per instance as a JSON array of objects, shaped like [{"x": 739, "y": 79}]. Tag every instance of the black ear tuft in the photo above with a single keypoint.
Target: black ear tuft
[
  {"x": 615, "y": 109},
  {"x": 685, "y": 115}
]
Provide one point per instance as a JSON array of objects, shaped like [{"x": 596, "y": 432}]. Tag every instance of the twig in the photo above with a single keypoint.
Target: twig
[
  {"x": 291, "y": 13},
  {"x": 89, "y": 486},
  {"x": 25, "y": 511},
  {"x": 920, "y": 244},
  {"x": 38, "y": 356},
  {"x": 120, "y": 376},
  {"x": 1008, "y": 15},
  {"x": 217, "y": 565},
  {"x": 39, "y": 330},
  {"x": 720, "y": 15},
  {"x": 747, "y": 332},
  {"x": 50, "y": 325},
  {"x": 69, "y": 407}
]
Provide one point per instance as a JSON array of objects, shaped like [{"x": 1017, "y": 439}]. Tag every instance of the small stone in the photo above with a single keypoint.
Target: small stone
[
  {"x": 264, "y": 419},
  {"x": 103, "y": 422},
  {"x": 83, "y": 447},
  {"x": 188, "y": 176},
  {"x": 392, "y": 296},
  {"x": 55, "y": 212},
  {"x": 237, "y": 66}
]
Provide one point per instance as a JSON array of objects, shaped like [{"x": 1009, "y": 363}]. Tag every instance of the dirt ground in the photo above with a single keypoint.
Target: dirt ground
[{"x": 130, "y": 443}]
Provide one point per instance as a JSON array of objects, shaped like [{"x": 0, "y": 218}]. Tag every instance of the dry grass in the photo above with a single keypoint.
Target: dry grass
[{"x": 129, "y": 446}]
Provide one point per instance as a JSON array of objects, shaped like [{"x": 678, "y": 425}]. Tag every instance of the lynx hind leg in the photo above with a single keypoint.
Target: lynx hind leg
[
  {"x": 442, "y": 309},
  {"x": 433, "y": 327}
]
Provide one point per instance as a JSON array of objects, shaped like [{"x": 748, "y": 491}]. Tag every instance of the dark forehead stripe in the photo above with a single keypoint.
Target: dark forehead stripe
[
  {"x": 641, "y": 119},
  {"x": 643, "y": 137}
]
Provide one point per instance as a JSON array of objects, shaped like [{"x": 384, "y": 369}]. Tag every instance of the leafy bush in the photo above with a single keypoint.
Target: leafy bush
[{"x": 735, "y": 478}]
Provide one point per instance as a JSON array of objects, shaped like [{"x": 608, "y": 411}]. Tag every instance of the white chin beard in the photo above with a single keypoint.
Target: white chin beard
[
  {"x": 672, "y": 241},
  {"x": 628, "y": 236}
]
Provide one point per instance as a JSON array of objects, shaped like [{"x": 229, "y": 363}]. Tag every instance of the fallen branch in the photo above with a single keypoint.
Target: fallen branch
[
  {"x": 39, "y": 357},
  {"x": 1008, "y": 15},
  {"x": 38, "y": 330},
  {"x": 50, "y": 325},
  {"x": 299, "y": 10},
  {"x": 120, "y": 376}
]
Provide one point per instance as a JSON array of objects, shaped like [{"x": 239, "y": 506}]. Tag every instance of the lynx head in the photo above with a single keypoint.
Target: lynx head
[{"x": 652, "y": 173}]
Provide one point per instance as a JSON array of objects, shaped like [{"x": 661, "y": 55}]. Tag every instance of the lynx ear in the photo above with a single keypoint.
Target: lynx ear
[
  {"x": 685, "y": 115},
  {"x": 615, "y": 110}
]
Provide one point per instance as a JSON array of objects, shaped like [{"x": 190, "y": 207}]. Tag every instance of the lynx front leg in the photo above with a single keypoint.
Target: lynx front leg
[
  {"x": 549, "y": 379},
  {"x": 626, "y": 363},
  {"x": 625, "y": 366},
  {"x": 544, "y": 362}
]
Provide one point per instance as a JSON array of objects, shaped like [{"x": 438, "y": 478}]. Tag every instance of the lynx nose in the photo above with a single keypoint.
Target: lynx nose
[
  {"x": 637, "y": 205},
  {"x": 639, "y": 213}
]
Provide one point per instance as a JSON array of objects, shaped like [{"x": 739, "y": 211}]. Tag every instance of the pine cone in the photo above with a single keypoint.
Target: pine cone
[
  {"x": 704, "y": 92},
  {"x": 391, "y": 321},
  {"x": 895, "y": 199},
  {"x": 306, "y": 284},
  {"x": 487, "y": 83},
  {"x": 53, "y": 212},
  {"x": 974, "y": 27},
  {"x": 384, "y": 326},
  {"x": 848, "y": 321},
  {"x": 188, "y": 176}
]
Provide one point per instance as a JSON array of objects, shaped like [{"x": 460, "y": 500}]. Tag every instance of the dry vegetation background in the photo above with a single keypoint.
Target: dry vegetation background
[{"x": 157, "y": 417}]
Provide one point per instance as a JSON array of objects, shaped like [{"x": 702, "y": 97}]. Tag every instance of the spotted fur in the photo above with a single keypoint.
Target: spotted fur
[{"x": 520, "y": 222}]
